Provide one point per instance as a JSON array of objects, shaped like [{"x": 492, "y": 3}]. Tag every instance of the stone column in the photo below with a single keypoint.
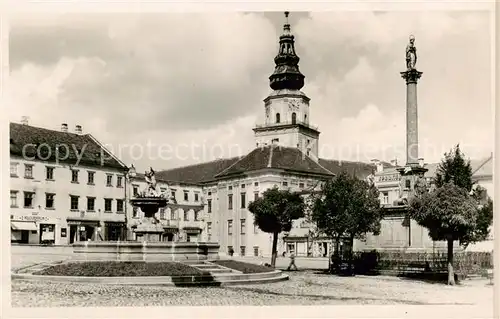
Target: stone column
[{"x": 411, "y": 77}]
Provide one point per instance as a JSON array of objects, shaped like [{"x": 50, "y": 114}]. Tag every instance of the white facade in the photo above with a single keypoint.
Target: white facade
[
  {"x": 286, "y": 122},
  {"x": 57, "y": 203}
]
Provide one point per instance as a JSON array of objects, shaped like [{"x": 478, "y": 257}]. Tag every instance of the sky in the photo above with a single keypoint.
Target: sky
[{"x": 172, "y": 89}]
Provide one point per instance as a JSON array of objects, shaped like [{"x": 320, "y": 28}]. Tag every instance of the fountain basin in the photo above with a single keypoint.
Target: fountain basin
[
  {"x": 144, "y": 251},
  {"x": 149, "y": 205}
]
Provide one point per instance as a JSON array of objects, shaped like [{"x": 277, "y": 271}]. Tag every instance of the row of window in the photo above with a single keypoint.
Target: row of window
[
  {"x": 29, "y": 199},
  {"x": 230, "y": 227},
  {"x": 243, "y": 250},
  {"x": 294, "y": 118},
  {"x": 163, "y": 214},
  {"x": 75, "y": 176}
]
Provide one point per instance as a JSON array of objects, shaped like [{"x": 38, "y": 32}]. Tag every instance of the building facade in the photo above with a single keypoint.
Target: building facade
[
  {"x": 64, "y": 187},
  {"x": 286, "y": 156}
]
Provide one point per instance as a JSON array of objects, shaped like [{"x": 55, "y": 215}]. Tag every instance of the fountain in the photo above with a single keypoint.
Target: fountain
[
  {"x": 150, "y": 201},
  {"x": 149, "y": 245}
]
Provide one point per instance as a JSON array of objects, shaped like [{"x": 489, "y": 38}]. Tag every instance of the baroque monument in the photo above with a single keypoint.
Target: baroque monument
[{"x": 412, "y": 174}]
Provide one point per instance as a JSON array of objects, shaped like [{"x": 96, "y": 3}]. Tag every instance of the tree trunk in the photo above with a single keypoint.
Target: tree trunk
[
  {"x": 350, "y": 272},
  {"x": 336, "y": 255},
  {"x": 274, "y": 252},
  {"x": 451, "y": 274}
]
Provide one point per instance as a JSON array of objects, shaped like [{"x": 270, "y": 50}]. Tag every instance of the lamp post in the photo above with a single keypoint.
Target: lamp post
[{"x": 129, "y": 174}]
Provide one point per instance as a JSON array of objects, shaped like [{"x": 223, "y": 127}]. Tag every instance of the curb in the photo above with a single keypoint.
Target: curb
[
  {"x": 222, "y": 279},
  {"x": 202, "y": 280}
]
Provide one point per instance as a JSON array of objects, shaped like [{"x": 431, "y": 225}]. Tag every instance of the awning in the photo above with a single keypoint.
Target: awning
[{"x": 23, "y": 226}]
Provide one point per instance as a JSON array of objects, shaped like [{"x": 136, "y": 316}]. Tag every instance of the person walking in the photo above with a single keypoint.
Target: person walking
[{"x": 292, "y": 262}]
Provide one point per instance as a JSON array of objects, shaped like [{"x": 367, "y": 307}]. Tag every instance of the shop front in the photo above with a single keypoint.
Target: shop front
[
  {"x": 192, "y": 234},
  {"x": 114, "y": 231},
  {"x": 171, "y": 233},
  {"x": 34, "y": 229},
  {"x": 83, "y": 230}
]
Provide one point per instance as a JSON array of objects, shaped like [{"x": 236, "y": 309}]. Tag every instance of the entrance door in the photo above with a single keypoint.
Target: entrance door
[
  {"x": 72, "y": 233},
  {"x": 25, "y": 236}
]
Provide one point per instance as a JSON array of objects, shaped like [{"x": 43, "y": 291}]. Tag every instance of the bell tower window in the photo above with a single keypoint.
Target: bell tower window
[
  {"x": 294, "y": 118},
  {"x": 277, "y": 117}
]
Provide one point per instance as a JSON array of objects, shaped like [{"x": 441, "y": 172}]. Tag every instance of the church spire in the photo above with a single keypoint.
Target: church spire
[{"x": 286, "y": 73}]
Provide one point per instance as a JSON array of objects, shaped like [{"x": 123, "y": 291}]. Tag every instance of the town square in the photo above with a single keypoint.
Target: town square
[{"x": 168, "y": 159}]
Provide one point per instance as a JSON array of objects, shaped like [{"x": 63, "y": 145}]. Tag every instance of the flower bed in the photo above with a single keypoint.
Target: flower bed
[
  {"x": 245, "y": 268},
  {"x": 120, "y": 269}
]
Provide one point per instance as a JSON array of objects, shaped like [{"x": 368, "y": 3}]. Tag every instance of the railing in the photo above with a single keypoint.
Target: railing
[{"x": 287, "y": 123}]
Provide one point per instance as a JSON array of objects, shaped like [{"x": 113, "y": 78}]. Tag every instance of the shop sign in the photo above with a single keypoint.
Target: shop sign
[{"x": 28, "y": 218}]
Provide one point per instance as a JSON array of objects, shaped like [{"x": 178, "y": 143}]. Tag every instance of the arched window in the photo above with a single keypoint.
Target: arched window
[
  {"x": 277, "y": 117},
  {"x": 294, "y": 118}
]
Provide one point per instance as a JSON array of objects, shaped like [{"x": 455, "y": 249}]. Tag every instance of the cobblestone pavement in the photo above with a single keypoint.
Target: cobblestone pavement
[{"x": 303, "y": 288}]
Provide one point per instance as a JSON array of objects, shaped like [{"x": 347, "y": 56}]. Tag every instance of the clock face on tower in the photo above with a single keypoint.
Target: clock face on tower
[{"x": 293, "y": 105}]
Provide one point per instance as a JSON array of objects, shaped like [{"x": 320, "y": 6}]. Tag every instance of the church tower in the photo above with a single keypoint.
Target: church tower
[{"x": 287, "y": 108}]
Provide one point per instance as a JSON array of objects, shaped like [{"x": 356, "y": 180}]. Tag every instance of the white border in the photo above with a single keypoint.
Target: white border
[{"x": 368, "y": 311}]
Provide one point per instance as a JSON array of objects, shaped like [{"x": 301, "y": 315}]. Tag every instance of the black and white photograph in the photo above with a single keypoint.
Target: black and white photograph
[{"x": 251, "y": 158}]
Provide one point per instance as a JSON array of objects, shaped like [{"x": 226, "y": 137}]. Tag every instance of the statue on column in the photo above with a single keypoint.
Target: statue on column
[
  {"x": 411, "y": 54},
  {"x": 151, "y": 181}
]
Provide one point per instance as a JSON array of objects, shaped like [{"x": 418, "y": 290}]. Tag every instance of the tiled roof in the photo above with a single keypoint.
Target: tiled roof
[
  {"x": 276, "y": 157},
  {"x": 359, "y": 169},
  {"x": 197, "y": 173},
  {"x": 76, "y": 145}
]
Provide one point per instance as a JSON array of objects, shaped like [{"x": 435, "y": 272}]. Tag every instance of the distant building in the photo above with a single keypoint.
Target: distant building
[
  {"x": 286, "y": 156},
  {"x": 64, "y": 187}
]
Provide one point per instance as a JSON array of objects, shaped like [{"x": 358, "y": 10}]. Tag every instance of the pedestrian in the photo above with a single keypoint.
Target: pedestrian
[{"x": 292, "y": 262}]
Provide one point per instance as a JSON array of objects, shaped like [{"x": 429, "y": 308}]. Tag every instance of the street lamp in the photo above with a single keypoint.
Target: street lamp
[{"x": 129, "y": 174}]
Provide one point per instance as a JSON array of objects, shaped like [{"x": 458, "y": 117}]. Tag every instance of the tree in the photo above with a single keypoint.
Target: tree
[
  {"x": 274, "y": 213},
  {"x": 347, "y": 208},
  {"x": 450, "y": 213},
  {"x": 456, "y": 169},
  {"x": 454, "y": 211}
]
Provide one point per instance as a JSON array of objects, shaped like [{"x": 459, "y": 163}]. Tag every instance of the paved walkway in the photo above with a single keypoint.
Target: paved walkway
[{"x": 304, "y": 288}]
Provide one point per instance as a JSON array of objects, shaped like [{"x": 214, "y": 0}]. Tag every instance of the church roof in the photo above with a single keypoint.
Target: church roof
[
  {"x": 69, "y": 147},
  {"x": 359, "y": 169},
  {"x": 276, "y": 157},
  {"x": 197, "y": 173}
]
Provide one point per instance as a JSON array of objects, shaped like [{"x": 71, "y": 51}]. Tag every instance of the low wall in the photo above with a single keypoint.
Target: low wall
[{"x": 144, "y": 251}]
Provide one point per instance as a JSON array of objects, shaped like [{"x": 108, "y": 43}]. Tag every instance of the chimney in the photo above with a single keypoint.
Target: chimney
[
  {"x": 78, "y": 129},
  {"x": 421, "y": 162},
  {"x": 24, "y": 120},
  {"x": 64, "y": 127}
]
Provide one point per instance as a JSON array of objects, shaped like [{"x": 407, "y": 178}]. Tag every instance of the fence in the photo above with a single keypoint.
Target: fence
[{"x": 404, "y": 263}]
